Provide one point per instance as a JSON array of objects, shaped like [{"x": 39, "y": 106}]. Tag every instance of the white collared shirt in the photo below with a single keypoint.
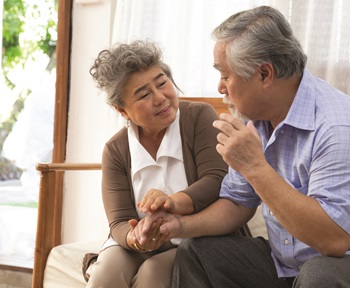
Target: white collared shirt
[{"x": 166, "y": 173}]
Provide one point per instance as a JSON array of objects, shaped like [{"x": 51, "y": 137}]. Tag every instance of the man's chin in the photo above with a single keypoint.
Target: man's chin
[{"x": 235, "y": 113}]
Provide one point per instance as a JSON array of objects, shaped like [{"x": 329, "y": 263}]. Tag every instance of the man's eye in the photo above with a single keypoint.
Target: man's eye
[{"x": 224, "y": 78}]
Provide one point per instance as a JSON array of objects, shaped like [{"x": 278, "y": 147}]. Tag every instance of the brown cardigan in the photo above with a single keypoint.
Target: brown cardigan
[{"x": 204, "y": 167}]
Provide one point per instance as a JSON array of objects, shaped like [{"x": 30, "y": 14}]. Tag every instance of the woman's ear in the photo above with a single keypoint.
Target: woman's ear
[{"x": 121, "y": 111}]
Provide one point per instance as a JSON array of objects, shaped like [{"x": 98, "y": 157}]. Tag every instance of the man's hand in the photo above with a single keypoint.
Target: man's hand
[{"x": 239, "y": 145}]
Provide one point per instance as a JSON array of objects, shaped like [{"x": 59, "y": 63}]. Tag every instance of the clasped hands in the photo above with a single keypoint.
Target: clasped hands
[{"x": 152, "y": 232}]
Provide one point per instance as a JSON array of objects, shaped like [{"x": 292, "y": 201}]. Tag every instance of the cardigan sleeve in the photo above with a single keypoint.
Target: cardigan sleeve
[
  {"x": 117, "y": 192},
  {"x": 205, "y": 168}
]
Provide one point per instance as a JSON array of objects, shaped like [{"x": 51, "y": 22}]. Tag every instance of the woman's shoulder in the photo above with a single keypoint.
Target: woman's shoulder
[
  {"x": 193, "y": 104},
  {"x": 194, "y": 107},
  {"x": 118, "y": 141}
]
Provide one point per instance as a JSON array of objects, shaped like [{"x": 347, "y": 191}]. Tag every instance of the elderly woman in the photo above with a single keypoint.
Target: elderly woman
[{"x": 164, "y": 158}]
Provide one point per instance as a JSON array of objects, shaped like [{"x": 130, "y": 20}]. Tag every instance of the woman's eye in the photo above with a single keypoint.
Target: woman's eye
[
  {"x": 162, "y": 83},
  {"x": 224, "y": 78},
  {"x": 144, "y": 95}
]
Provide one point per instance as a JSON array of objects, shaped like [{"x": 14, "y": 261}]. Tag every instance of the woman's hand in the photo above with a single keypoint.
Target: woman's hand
[
  {"x": 150, "y": 241},
  {"x": 170, "y": 227},
  {"x": 154, "y": 200}
]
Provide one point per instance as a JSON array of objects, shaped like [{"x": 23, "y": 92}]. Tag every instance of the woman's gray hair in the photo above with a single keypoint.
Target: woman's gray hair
[
  {"x": 112, "y": 68},
  {"x": 257, "y": 36}
]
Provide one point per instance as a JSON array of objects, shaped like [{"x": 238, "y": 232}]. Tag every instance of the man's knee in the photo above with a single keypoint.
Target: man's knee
[
  {"x": 183, "y": 247},
  {"x": 190, "y": 244},
  {"x": 321, "y": 272}
]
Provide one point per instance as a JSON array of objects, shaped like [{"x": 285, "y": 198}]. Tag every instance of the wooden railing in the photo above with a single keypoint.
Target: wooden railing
[{"x": 48, "y": 233}]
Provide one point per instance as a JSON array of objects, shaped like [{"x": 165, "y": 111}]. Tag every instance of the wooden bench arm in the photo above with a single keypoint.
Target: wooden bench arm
[
  {"x": 46, "y": 167},
  {"x": 48, "y": 234}
]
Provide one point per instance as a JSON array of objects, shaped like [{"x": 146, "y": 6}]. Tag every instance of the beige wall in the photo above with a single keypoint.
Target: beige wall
[{"x": 90, "y": 124}]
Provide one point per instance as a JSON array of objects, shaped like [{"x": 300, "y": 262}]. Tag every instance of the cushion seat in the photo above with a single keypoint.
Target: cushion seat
[{"x": 64, "y": 264}]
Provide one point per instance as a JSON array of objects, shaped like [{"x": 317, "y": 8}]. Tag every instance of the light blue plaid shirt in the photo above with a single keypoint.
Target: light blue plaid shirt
[{"x": 310, "y": 149}]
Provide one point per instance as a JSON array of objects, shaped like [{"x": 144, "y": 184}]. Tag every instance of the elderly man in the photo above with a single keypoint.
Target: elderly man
[{"x": 288, "y": 148}]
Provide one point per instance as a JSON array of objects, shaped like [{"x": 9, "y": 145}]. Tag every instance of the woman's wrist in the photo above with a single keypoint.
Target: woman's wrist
[
  {"x": 182, "y": 204},
  {"x": 133, "y": 245},
  {"x": 138, "y": 248}
]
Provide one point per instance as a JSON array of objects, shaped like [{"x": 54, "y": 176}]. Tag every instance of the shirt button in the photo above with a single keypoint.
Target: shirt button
[
  {"x": 271, "y": 213},
  {"x": 286, "y": 241}
]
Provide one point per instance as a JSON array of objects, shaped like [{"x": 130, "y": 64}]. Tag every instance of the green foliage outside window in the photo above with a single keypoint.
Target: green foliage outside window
[
  {"x": 29, "y": 28},
  {"x": 20, "y": 16}
]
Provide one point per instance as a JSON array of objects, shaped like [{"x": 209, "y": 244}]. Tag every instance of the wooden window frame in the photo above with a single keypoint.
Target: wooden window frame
[
  {"x": 61, "y": 105},
  {"x": 53, "y": 233}
]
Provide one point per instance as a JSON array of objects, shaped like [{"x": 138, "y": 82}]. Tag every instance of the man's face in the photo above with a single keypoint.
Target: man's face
[{"x": 242, "y": 95}]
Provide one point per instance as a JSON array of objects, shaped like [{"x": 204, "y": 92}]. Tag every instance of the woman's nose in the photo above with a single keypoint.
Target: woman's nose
[{"x": 158, "y": 97}]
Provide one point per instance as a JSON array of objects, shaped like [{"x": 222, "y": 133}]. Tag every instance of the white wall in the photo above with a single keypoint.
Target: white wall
[{"x": 91, "y": 122}]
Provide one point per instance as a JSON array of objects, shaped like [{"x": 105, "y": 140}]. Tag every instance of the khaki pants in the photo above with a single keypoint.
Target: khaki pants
[{"x": 117, "y": 267}]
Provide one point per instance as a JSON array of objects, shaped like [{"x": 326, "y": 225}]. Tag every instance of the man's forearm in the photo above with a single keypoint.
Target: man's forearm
[{"x": 221, "y": 217}]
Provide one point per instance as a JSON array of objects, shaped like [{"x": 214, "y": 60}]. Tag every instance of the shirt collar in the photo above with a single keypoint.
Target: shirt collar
[
  {"x": 170, "y": 146},
  {"x": 302, "y": 112}
]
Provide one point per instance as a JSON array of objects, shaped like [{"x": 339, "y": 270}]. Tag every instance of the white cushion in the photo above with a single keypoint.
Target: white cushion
[
  {"x": 64, "y": 265},
  {"x": 257, "y": 225}
]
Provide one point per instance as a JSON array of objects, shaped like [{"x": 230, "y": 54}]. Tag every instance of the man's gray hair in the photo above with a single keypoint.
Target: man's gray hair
[{"x": 257, "y": 36}]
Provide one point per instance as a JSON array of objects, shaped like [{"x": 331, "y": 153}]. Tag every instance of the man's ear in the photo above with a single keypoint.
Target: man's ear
[{"x": 266, "y": 71}]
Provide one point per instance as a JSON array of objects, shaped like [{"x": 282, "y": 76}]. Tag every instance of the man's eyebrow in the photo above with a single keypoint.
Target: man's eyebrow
[
  {"x": 217, "y": 67},
  {"x": 143, "y": 87}
]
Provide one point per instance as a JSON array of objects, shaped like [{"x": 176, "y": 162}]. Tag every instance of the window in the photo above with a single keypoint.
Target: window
[{"x": 29, "y": 41}]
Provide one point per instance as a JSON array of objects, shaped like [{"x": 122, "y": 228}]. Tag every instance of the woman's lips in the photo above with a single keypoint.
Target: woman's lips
[{"x": 163, "y": 111}]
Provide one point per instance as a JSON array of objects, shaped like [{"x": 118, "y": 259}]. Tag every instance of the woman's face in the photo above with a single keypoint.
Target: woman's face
[{"x": 151, "y": 101}]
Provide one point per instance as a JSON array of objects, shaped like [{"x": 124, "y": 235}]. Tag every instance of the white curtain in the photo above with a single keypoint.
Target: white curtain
[
  {"x": 183, "y": 29},
  {"x": 322, "y": 26}
]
